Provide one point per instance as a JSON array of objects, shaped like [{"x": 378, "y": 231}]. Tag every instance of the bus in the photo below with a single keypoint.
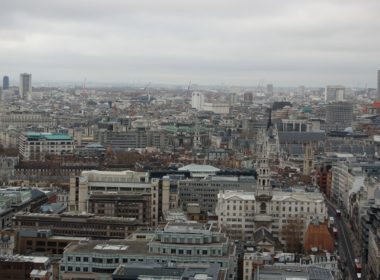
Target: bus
[
  {"x": 331, "y": 222},
  {"x": 358, "y": 267},
  {"x": 335, "y": 232},
  {"x": 338, "y": 213}
]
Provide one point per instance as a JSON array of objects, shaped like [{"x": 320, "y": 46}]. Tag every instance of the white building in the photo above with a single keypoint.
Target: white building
[
  {"x": 237, "y": 211},
  {"x": 105, "y": 181},
  {"x": 217, "y": 108},
  {"x": 36, "y": 146},
  {"x": 197, "y": 100},
  {"x": 334, "y": 93},
  {"x": 346, "y": 179}
]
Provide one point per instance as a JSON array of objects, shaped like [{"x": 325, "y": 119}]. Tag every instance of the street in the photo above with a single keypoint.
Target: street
[{"x": 346, "y": 251}]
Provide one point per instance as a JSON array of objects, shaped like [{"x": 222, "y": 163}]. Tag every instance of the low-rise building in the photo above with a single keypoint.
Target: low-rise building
[
  {"x": 75, "y": 224},
  {"x": 176, "y": 243},
  {"x": 236, "y": 211},
  {"x": 205, "y": 191}
]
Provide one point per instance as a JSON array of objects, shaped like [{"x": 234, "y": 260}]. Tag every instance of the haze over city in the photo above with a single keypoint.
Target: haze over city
[{"x": 287, "y": 43}]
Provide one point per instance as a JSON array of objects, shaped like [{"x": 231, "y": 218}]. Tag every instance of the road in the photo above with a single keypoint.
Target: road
[{"x": 346, "y": 251}]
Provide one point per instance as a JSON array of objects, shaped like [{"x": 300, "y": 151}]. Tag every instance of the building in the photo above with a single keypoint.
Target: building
[
  {"x": 176, "y": 243},
  {"x": 25, "y": 87},
  {"x": 216, "y": 108},
  {"x": 205, "y": 191},
  {"x": 339, "y": 116},
  {"x": 197, "y": 100},
  {"x": 374, "y": 253},
  {"x": 37, "y": 146},
  {"x": 200, "y": 170},
  {"x": 269, "y": 89},
  {"x": 255, "y": 261},
  {"x": 173, "y": 272},
  {"x": 293, "y": 272},
  {"x": 347, "y": 178},
  {"x": 248, "y": 97},
  {"x": 105, "y": 181},
  {"x": 118, "y": 204},
  {"x": 75, "y": 224},
  {"x": 238, "y": 212},
  {"x": 5, "y": 82},
  {"x": 318, "y": 236},
  {"x": 25, "y": 267},
  {"x": 23, "y": 120},
  {"x": 378, "y": 85},
  {"x": 334, "y": 93},
  {"x": 42, "y": 241}
]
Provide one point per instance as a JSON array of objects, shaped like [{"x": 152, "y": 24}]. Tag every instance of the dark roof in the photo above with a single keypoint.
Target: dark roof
[{"x": 300, "y": 137}]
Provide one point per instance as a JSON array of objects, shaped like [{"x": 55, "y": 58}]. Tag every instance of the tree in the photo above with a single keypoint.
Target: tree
[{"x": 292, "y": 232}]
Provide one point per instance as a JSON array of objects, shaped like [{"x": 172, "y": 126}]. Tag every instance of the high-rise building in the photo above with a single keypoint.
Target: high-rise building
[
  {"x": 339, "y": 115},
  {"x": 334, "y": 93},
  {"x": 5, "y": 82},
  {"x": 197, "y": 100},
  {"x": 270, "y": 88},
  {"x": 378, "y": 85},
  {"x": 25, "y": 85}
]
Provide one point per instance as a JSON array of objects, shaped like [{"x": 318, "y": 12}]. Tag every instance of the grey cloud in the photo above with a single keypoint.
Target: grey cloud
[{"x": 287, "y": 42}]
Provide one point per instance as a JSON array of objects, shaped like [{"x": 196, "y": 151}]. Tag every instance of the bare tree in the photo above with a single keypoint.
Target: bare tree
[{"x": 292, "y": 232}]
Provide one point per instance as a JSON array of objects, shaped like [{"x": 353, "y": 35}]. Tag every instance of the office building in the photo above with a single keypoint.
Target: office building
[
  {"x": 81, "y": 187},
  {"x": 237, "y": 212},
  {"x": 176, "y": 243},
  {"x": 42, "y": 241},
  {"x": 36, "y": 146},
  {"x": 5, "y": 82},
  {"x": 269, "y": 88},
  {"x": 293, "y": 272},
  {"x": 378, "y": 86},
  {"x": 26, "y": 267},
  {"x": 114, "y": 204},
  {"x": 25, "y": 87},
  {"x": 197, "y": 100},
  {"x": 75, "y": 224},
  {"x": 172, "y": 272},
  {"x": 205, "y": 191},
  {"x": 334, "y": 93},
  {"x": 339, "y": 116}
]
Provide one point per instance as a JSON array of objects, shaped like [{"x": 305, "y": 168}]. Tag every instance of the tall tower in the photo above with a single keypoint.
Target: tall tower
[
  {"x": 378, "y": 86},
  {"x": 308, "y": 161},
  {"x": 25, "y": 85},
  {"x": 197, "y": 100},
  {"x": 5, "y": 82}
]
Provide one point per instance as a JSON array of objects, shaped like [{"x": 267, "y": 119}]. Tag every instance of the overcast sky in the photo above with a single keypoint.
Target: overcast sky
[{"x": 284, "y": 42}]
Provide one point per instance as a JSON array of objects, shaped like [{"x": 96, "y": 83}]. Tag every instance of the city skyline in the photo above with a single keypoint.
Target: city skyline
[{"x": 314, "y": 44}]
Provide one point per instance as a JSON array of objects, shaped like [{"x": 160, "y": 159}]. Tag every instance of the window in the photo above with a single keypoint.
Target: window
[
  {"x": 77, "y": 269},
  {"x": 69, "y": 268},
  {"x": 263, "y": 208},
  {"x": 62, "y": 268},
  {"x": 85, "y": 269},
  {"x": 188, "y": 252},
  {"x": 77, "y": 259},
  {"x": 85, "y": 259},
  {"x": 204, "y": 252}
]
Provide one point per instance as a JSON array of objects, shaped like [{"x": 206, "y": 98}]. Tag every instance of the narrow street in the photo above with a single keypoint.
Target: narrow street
[{"x": 346, "y": 250}]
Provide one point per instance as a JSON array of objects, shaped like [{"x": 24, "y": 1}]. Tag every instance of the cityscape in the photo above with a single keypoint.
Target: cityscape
[{"x": 216, "y": 172}]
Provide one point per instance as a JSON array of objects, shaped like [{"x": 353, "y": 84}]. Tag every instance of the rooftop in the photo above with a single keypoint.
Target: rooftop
[
  {"x": 47, "y": 136},
  {"x": 199, "y": 168}
]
